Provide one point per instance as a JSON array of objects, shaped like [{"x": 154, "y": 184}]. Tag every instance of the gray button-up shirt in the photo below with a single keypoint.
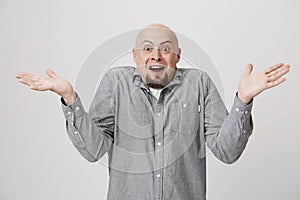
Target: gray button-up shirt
[{"x": 157, "y": 147}]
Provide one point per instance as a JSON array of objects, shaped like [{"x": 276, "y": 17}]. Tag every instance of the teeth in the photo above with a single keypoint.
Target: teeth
[{"x": 156, "y": 67}]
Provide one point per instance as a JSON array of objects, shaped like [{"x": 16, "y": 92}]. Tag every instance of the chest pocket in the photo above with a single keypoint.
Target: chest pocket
[{"x": 184, "y": 117}]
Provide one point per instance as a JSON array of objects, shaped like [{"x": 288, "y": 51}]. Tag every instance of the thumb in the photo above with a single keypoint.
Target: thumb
[
  {"x": 248, "y": 70},
  {"x": 50, "y": 73}
]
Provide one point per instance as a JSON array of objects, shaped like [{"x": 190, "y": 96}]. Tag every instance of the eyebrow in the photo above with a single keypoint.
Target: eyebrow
[{"x": 168, "y": 41}]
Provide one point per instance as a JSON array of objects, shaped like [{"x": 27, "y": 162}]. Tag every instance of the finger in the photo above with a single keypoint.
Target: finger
[
  {"x": 278, "y": 70},
  {"x": 20, "y": 75},
  {"x": 278, "y": 74},
  {"x": 29, "y": 79},
  {"x": 248, "y": 70},
  {"x": 23, "y": 74},
  {"x": 27, "y": 82},
  {"x": 25, "y": 79},
  {"x": 274, "y": 67},
  {"x": 275, "y": 83},
  {"x": 50, "y": 73},
  {"x": 24, "y": 82}
]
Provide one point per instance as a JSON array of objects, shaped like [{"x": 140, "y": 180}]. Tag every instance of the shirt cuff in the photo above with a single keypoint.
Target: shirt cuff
[
  {"x": 241, "y": 107},
  {"x": 74, "y": 110}
]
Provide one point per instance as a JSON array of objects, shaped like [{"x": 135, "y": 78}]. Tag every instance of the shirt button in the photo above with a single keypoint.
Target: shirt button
[
  {"x": 244, "y": 131},
  {"x": 157, "y": 175},
  {"x": 75, "y": 132},
  {"x": 237, "y": 109},
  {"x": 246, "y": 112},
  {"x": 159, "y": 143},
  {"x": 184, "y": 105},
  {"x": 77, "y": 108},
  {"x": 68, "y": 113}
]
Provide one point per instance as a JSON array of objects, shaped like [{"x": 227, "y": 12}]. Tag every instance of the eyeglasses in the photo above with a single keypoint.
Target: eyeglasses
[{"x": 149, "y": 49}]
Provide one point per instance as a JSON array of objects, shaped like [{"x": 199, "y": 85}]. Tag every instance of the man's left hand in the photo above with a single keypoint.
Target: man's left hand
[{"x": 253, "y": 84}]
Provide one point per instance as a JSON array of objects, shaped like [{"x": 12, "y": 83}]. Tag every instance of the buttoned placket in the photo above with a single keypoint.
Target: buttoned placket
[
  {"x": 158, "y": 145},
  {"x": 159, "y": 119}
]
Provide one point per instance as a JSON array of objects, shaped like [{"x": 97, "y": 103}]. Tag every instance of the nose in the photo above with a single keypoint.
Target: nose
[{"x": 156, "y": 55}]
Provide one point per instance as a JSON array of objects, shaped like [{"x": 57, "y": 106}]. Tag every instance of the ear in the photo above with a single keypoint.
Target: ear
[
  {"x": 178, "y": 55},
  {"x": 134, "y": 55}
]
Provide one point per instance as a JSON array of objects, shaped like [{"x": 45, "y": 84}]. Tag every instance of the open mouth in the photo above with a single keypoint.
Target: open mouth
[{"x": 156, "y": 68}]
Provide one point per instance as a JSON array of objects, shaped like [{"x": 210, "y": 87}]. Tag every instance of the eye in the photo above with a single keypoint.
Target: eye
[
  {"x": 148, "y": 49},
  {"x": 165, "y": 49}
]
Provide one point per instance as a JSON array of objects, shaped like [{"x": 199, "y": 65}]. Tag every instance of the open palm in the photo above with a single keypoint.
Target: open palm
[
  {"x": 53, "y": 83},
  {"x": 253, "y": 84}
]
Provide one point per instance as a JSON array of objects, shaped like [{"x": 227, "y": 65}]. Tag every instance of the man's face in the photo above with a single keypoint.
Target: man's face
[{"x": 156, "y": 55}]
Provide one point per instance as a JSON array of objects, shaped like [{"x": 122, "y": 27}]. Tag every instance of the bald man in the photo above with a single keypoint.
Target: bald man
[{"x": 154, "y": 120}]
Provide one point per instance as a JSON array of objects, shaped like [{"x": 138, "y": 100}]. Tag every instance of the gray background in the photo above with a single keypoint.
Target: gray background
[{"x": 39, "y": 162}]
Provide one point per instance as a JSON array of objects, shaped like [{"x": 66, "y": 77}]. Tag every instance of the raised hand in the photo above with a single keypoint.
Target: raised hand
[
  {"x": 53, "y": 83},
  {"x": 253, "y": 84}
]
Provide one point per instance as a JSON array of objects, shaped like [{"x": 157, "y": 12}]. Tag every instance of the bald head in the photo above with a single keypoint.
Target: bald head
[
  {"x": 156, "y": 54},
  {"x": 157, "y": 25},
  {"x": 156, "y": 33}
]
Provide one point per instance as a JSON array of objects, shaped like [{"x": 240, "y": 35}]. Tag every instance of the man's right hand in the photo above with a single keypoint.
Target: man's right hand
[{"x": 53, "y": 83}]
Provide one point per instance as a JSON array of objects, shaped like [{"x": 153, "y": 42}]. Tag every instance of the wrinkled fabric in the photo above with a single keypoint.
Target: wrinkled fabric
[{"x": 157, "y": 147}]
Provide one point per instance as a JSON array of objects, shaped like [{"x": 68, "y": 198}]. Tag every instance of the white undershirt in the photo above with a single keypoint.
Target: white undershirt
[{"x": 155, "y": 92}]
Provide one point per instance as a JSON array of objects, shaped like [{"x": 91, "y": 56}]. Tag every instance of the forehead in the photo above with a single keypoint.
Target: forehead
[{"x": 156, "y": 36}]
